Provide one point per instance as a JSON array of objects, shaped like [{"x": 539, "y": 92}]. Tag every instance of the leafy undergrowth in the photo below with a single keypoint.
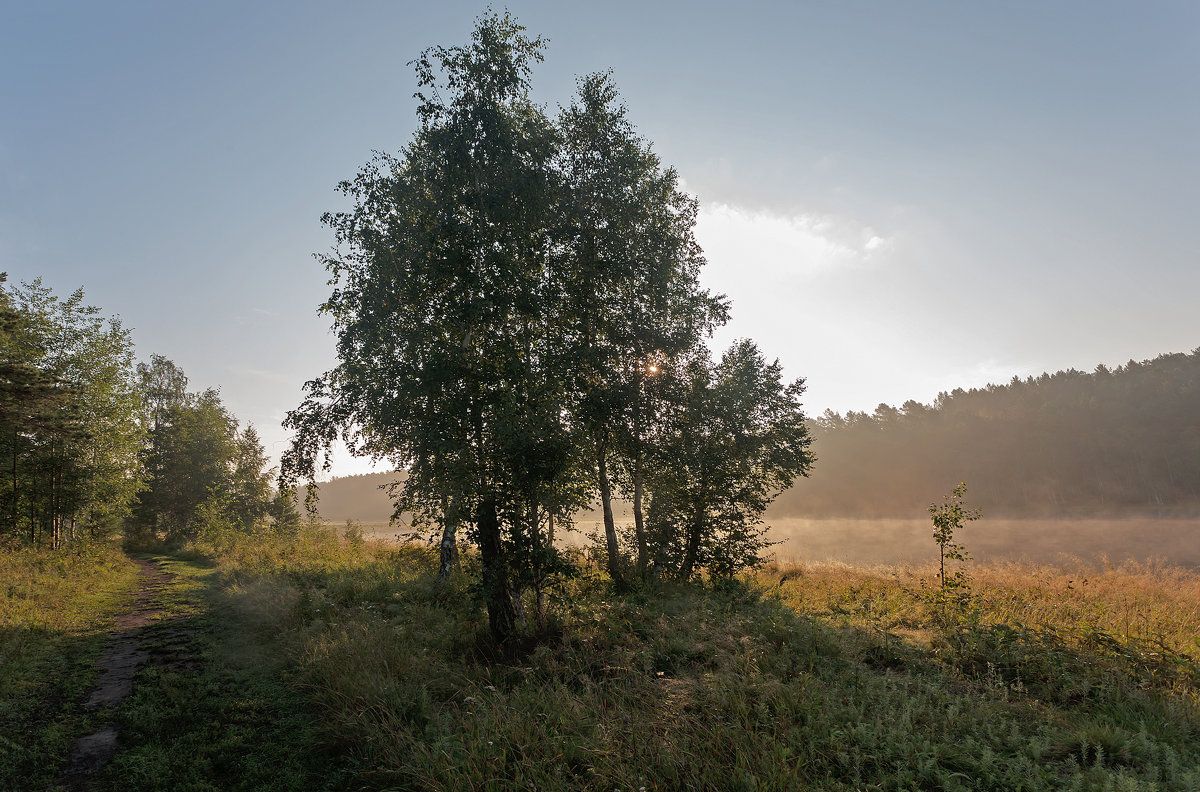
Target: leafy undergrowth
[
  {"x": 793, "y": 678},
  {"x": 55, "y": 610}
]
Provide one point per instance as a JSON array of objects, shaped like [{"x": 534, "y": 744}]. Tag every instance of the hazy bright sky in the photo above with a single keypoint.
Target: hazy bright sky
[{"x": 899, "y": 198}]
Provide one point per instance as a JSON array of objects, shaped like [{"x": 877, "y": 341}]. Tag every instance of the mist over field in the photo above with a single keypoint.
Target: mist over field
[
  {"x": 1063, "y": 542},
  {"x": 1066, "y": 467},
  {"x": 1053, "y": 542}
]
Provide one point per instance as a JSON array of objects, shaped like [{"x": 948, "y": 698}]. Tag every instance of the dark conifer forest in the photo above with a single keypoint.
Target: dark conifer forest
[
  {"x": 1120, "y": 441},
  {"x": 1116, "y": 442}
]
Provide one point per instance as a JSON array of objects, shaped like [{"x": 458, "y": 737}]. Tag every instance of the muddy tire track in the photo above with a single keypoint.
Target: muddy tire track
[{"x": 127, "y": 652}]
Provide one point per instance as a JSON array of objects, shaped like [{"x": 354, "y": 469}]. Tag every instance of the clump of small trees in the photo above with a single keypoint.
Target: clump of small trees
[
  {"x": 521, "y": 328},
  {"x": 202, "y": 472},
  {"x": 90, "y": 444},
  {"x": 69, "y": 438}
]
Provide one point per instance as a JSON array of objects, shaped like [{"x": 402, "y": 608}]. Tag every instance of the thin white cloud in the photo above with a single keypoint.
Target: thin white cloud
[
  {"x": 253, "y": 372},
  {"x": 797, "y": 244}
]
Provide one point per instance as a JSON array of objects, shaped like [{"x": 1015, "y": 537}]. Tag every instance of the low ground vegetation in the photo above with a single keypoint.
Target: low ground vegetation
[
  {"x": 215, "y": 707},
  {"x": 818, "y": 676},
  {"x": 55, "y": 610},
  {"x": 815, "y": 676}
]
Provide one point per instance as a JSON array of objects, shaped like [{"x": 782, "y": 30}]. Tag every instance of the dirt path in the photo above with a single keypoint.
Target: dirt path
[{"x": 124, "y": 657}]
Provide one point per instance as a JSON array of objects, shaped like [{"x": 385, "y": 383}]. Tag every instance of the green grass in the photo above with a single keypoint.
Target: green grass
[
  {"x": 310, "y": 663},
  {"x": 794, "y": 678},
  {"x": 213, "y": 709},
  {"x": 55, "y": 611}
]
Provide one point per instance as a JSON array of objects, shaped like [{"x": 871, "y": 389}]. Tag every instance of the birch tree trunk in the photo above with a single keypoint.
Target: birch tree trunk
[
  {"x": 449, "y": 547},
  {"x": 502, "y": 616},
  {"x": 610, "y": 528}
]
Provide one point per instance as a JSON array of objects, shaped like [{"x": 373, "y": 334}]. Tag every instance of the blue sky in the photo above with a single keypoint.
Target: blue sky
[{"x": 898, "y": 198}]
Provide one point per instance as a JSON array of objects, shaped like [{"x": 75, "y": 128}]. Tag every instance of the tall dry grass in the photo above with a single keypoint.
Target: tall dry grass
[
  {"x": 64, "y": 591},
  {"x": 1152, "y": 603},
  {"x": 815, "y": 676},
  {"x": 55, "y": 610}
]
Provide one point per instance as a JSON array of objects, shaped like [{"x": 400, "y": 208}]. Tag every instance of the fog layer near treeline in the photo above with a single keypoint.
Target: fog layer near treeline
[
  {"x": 1120, "y": 442},
  {"x": 1055, "y": 542},
  {"x": 363, "y": 498},
  {"x": 1116, "y": 442}
]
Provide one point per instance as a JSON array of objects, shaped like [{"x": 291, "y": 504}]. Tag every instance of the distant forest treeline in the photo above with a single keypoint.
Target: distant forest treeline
[
  {"x": 364, "y": 498},
  {"x": 354, "y": 497},
  {"x": 1119, "y": 441}
]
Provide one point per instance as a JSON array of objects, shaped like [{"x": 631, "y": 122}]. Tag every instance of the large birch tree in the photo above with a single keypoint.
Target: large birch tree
[
  {"x": 631, "y": 300},
  {"x": 443, "y": 308},
  {"x": 506, "y": 290}
]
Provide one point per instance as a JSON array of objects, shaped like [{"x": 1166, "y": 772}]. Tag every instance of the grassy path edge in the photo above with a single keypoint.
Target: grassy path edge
[
  {"x": 213, "y": 707},
  {"x": 123, "y": 658},
  {"x": 56, "y": 611}
]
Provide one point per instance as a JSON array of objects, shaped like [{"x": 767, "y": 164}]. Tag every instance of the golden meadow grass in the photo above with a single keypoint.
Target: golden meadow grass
[
  {"x": 812, "y": 676},
  {"x": 820, "y": 676},
  {"x": 55, "y": 610},
  {"x": 67, "y": 592},
  {"x": 1145, "y": 602}
]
